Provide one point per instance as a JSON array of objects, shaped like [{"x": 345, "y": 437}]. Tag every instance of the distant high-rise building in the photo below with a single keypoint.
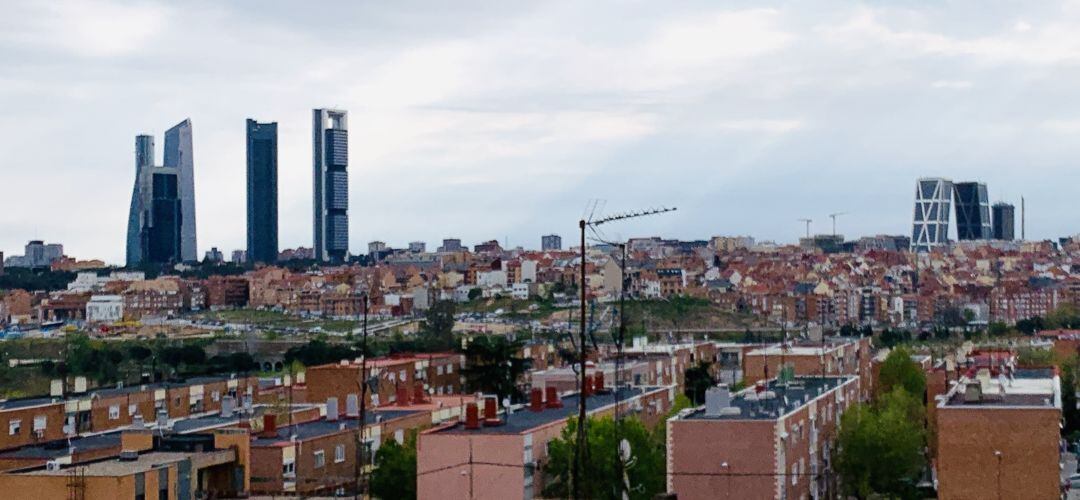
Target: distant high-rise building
[
  {"x": 451, "y": 245},
  {"x": 213, "y": 256},
  {"x": 1004, "y": 221},
  {"x": 161, "y": 221},
  {"x": 417, "y": 247},
  {"x": 262, "y": 213},
  {"x": 551, "y": 242},
  {"x": 930, "y": 224},
  {"x": 240, "y": 256},
  {"x": 330, "y": 154},
  {"x": 972, "y": 211}
]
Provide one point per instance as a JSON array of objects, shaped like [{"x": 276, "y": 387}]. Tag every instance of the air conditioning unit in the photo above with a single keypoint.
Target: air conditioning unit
[
  {"x": 52, "y": 465},
  {"x": 39, "y": 433}
]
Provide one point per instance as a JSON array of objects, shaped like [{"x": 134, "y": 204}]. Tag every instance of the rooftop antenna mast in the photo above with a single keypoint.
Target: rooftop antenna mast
[{"x": 593, "y": 223}]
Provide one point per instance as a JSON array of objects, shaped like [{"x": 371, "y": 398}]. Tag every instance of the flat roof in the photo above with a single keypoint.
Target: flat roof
[
  {"x": 1027, "y": 387},
  {"x": 523, "y": 419},
  {"x": 323, "y": 427},
  {"x": 62, "y": 448},
  {"x": 777, "y": 400},
  {"x": 117, "y": 467}
]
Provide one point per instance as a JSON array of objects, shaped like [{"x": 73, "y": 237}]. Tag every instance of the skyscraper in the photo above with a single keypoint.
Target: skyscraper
[
  {"x": 330, "y": 155},
  {"x": 262, "y": 213},
  {"x": 930, "y": 224},
  {"x": 1004, "y": 221},
  {"x": 161, "y": 220},
  {"x": 972, "y": 211}
]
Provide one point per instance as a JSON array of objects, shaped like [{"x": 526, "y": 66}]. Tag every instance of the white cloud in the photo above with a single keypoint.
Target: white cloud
[{"x": 951, "y": 84}]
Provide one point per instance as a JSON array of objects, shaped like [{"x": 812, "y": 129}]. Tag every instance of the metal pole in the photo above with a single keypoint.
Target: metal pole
[
  {"x": 579, "y": 461},
  {"x": 618, "y": 368},
  {"x": 363, "y": 401}
]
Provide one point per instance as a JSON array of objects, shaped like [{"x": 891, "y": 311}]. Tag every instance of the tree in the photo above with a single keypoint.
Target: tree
[
  {"x": 475, "y": 293},
  {"x": 1029, "y": 357},
  {"x": 646, "y": 475},
  {"x": 899, "y": 370},
  {"x": 1066, "y": 315},
  {"x": 997, "y": 329},
  {"x": 891, "y": 337},
  {"x": 493, "y": 366},
  {"x": 395, "y": 474},
  {"x": 437, "y": 329},
  {"x": 319, "y": 352},
  {"x": 697, "y": 381},
  {"x": 880, "y": 448},
  {"x": 1031, "y": 325},
  {"x": 1068, "y": 398}
]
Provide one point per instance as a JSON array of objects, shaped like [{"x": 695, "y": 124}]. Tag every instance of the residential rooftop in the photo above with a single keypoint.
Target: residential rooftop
[
  {"x": 1023, "y": 387},
  {"x": 144, "y": 463},
  {"x": 773, "y": 400},
  {"x": 324, "y": 427}
]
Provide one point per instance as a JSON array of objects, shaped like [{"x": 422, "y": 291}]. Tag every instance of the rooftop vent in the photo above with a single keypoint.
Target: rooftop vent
[{"x": 129, "y": 456}]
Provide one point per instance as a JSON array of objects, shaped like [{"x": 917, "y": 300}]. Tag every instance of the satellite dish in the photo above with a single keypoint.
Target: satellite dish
[{"x": 624, "y": 450}]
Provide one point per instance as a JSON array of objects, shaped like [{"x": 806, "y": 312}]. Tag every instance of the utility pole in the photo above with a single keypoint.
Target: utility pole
[
  {"x": 359, "y": 469},
  {"x": 580, "y": 457}
]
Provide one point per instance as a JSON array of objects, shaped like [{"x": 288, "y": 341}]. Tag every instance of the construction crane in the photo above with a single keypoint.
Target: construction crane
[
  {"x": 807, "y": 221},
  {"x": 833, "y": 217}
]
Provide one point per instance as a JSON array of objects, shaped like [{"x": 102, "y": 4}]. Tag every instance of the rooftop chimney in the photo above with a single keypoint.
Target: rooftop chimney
[
  {"x": 419, "y": 396},
  {"x": 331, "y": 409},
  {"x": 270, "y": 424},
  {"x": 352, "y": 406},
  {"x": 402, "y": 393},
  {"x": 536, "y": 399},
  {"x": 491, "y": 411},
  {"x": 588, "y": 385},
  {"x": 472, "y": 416},
  {"x": 598, "y": 381},
  {"x": 553, "y": 400}
]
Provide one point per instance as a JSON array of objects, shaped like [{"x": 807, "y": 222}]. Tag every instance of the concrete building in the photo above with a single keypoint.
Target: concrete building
[
  {"x": 998, "y": 433},
  {"x": 772, "y": 441},
  {"x": 105, "y": 309},
  {"x": 505, "y": 456},
  {"x": 330, "y": 156},
  {"x": 451, "y": 245},
  {"x": 161, "y": 220},
  {"x": 933, "y": 204},
  {"x": 262, "y": 192},
  {"x": 417, "y": 247},
  {"x": 1004, "y": 221},
  {"x": 551, "y": 242},
  {"x": 36, "y": 254}
]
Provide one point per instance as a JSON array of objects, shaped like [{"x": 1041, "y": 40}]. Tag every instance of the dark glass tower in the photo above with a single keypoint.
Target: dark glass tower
[
  {"x": 1004, "y": 221},
  {"x": 161, "y": 220},
  {"x": 972, "y": 211},
  {"x": 262, "y": 210},
  {"x": 330, "y": 156}
]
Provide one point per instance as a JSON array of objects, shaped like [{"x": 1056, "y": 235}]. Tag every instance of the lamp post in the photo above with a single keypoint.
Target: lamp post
[{"x": 998, "y": 455}]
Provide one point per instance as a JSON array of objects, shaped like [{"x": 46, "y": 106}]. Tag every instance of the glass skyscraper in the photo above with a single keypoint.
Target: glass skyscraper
[
  {"x": 161, "y": 220},
  {"x": 262, "y": 195},
  {"x": 972, "y": 211},
  {"x": 1004, "y": 221},
  {"x": 930, "y": 224},
  {"x": 330, "y": 156}
]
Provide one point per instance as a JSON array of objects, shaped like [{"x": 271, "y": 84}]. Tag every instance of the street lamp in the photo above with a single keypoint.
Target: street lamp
[
  {"x": 727, "y": 481},
  {"x": 998, "y": 454}
]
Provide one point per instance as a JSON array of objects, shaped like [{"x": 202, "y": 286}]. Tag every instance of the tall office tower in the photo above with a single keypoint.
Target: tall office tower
[
  {"x": 972, "y": 211},
  {"x": 161, "y": 221},
  {"x": 930, "y": 224},
  {"x": 551, "y": 242},
  {"x": 330, "y": 154},
  {"x": 1004, "y": 221},
  {"x": 262, "y": 210}
]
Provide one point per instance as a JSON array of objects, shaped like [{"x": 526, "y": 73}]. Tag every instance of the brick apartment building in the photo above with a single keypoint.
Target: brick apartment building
[
  {"x": 773, "y": 441},
  {"x": 838, "y": 356},
  {"x": 504, "y": 457},
  {"x": 227, "y": 291},
  {"x": 398, "y": 377},
  {"x": 998, "y": 436}
]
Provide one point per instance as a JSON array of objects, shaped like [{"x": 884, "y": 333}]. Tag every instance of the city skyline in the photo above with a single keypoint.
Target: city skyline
[{"x": 462, "y": 131}]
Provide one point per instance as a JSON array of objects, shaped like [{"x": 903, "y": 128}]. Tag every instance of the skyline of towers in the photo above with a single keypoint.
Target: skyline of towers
[
  {"x": 262, "y": 193},
  {"x": 972, "y": 211},
  {"x": 930, "y": 223},
  {"x": 330, "y": 159},
  {"x": 161, "y": 218},
  {"x": 1004, "y": 221}
]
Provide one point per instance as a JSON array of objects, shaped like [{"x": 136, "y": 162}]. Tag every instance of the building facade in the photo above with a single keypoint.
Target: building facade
[
  {"x": 972, "y": 211},
  {"x": 262, "y": 210},
  {"x": 551, "y": 242},
  {"x": 1004, "y": 221},
  {"x": 161, "y": 220},
  {"x": 933, "y": 203},
  {"x": 330, "y": 156}
]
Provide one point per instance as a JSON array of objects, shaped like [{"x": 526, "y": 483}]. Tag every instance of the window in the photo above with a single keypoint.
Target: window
[
  {"x": 320, "y": 459},
  {"x": 449, "y": 369},
  {"x": 40, "y": 422},
  {"x": 399, "y": 436},
  {"x": 339, "y": 454},
  {"x": 114, "y": 412},
  {"x": 794, "y": 474},
  {"x": 288, "y": 469},
  {"x": 439, "y": 370},
  {"x": 403, "y": 378},
  {"x": 14, "y": 426},
  {"x": 216, "y": 396},
  {"x": 133, "y": 409}
]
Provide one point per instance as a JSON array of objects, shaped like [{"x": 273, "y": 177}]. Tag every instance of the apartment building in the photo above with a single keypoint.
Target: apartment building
[
  {"x": 998, "y": 435},
  {"x": 774, "y": 440},
  {"x": 396, "y": 377},
  {"x": 832, "y": 357}
]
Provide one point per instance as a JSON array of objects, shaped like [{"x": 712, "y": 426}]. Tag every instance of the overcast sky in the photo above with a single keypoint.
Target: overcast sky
[{"x": 503, "y": 119}]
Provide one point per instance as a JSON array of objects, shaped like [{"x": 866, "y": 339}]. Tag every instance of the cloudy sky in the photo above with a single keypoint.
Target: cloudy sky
[{"x": 504, "y": 119}]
